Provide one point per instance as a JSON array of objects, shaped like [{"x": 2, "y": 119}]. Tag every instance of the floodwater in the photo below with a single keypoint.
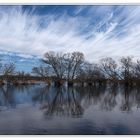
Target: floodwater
[{"x": 39, "y": 109}]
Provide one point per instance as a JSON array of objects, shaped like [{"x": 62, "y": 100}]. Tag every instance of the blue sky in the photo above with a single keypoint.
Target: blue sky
[{"x": 97, "y": 31}]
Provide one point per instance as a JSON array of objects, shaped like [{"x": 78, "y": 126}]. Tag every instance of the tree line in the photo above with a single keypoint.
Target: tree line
[{"x": 73, "y": 67}]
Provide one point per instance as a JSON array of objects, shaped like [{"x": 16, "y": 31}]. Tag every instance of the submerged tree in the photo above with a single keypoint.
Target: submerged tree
[
  {"x": 73, "y": 63},
  {"x": 8, "y": 69},
  {"x": 137, "y": 70},
  {"x": 91, "y": 73},
  {"x": 40, "y": 71},
  {"x": 56, "y": 61},
  {"x": 126, "y": 69},
  {"x": 64, "y": 65},
  {"x": 109, "y": 68}
]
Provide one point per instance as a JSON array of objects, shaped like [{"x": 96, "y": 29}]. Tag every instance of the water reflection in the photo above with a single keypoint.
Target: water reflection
[{"x": 72, "y": 102}]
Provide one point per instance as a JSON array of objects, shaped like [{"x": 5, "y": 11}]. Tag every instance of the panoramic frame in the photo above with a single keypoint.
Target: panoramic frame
[{"x": 69, "y": 69}]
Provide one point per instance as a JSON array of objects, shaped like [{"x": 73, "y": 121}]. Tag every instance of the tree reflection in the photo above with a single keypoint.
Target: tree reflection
[
  {"x": 7, "y": 96},
  {"x": 108, "y": 101},
  {"x": 138, "y": 97},
  {"x": 64, "y": 102},
  {"x": 71, "y": 101},
  {"x": 129, "y": 98}
]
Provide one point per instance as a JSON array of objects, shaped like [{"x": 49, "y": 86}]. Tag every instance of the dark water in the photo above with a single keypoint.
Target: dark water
[{"x": 39, "y": 109}]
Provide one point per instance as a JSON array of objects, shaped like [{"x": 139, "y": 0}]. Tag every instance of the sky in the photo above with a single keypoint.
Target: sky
[{"x": 97, "y": 31}]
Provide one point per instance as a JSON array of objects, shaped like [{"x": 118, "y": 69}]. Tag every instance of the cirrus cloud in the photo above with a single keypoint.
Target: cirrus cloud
[{"x": 97, "y": 31}]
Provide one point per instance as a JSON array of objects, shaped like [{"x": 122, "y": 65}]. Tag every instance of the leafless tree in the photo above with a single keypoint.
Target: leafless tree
[
  {"x": 73, "y": 62},
  {"x": 109, "y": 67},
  {"x": 40, "y": 71},
  {"x": 137, "y": 69},
  {"x": 56, "y": 61},
  {"x": 87, "y": 70},
  {"x": 65, "y": 65},
  {"x": 97, "y": 72},
  {"x": 91, "y": 73},
  {"x": 8, "y": 69},
  {"x": 126, "y": 67}
]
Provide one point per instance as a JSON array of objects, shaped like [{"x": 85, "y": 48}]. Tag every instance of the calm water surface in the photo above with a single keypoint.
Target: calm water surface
[{"x": 39, "y": 109}]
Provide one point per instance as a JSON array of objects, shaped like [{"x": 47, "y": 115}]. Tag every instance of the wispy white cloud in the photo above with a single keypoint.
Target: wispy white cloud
[{"x": 113, "y": 35}]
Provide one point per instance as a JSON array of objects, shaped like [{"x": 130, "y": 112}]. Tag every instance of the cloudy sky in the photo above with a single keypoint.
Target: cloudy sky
[{"x": 97, "y": 31}]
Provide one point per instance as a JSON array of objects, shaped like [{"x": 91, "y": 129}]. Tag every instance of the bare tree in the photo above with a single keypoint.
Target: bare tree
[
  {"x": 56, "y": 61},
  {"x": 109, "y": 68},
  {"x": 40, "y": 71},
  {"x": 73, "y": 63},
  {"x": 91, "y": 73},
  {"x": 78, "y": 60},
  {"x": 8, "y": 69},
  {"x": 97, "y": 72},
  {"x": 87, "y": 71},
  {"x": 65, "y": 65},
  {"x": 126, "y": 67},
  {"x": 136, "y": 71}
]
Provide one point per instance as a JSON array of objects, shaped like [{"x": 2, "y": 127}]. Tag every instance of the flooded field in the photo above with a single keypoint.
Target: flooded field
[{"x": 40, "y": 109}]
